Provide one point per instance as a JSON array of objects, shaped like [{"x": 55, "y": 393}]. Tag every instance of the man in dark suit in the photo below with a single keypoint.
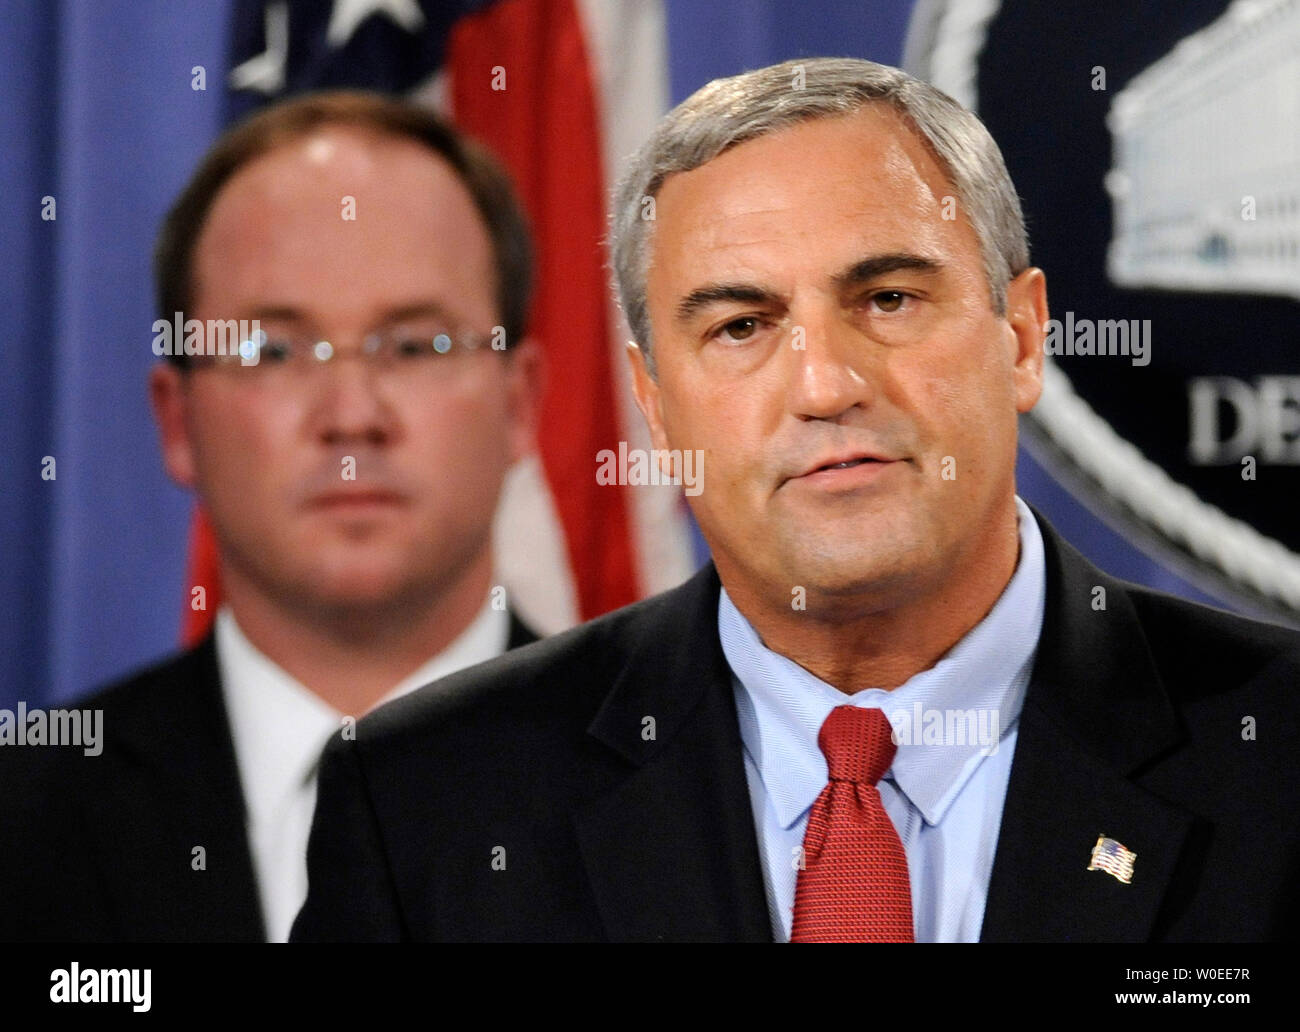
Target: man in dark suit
[
  {"x": 825, "y": 269},
  {"x": 350, "y": 446}
]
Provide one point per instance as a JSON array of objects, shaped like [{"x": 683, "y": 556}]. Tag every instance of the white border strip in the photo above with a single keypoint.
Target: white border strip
[{"x": 1260, "y": 562}]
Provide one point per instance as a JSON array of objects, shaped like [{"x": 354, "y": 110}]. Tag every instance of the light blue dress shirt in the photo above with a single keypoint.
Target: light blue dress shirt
[{"x": 956, "y": 724}]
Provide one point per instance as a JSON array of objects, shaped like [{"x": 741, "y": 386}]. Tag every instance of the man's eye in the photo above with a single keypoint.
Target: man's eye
[
  {"x": 889, "y": 300},
  {"x": 413, "y": 347},
  {"x": 741, "y": 329},
  {"x": 275, "y": 351}
]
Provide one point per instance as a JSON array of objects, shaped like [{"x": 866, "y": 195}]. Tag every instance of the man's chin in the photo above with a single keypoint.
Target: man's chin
[
  {"x": 358, "y": 601},
  {"x": 375, "y": 580},
  {"x": 874, "y": 587},
  {"x": 869, "y": 575}
]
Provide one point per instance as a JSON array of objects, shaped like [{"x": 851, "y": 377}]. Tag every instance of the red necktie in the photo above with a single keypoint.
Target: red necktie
[{"x": 854, "y": 885}]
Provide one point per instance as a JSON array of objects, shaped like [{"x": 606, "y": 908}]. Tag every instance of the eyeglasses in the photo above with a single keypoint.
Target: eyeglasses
[{"x": 406, "y": 350}]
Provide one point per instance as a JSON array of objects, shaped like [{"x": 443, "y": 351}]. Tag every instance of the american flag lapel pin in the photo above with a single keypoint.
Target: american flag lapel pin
[{"x": 1113, "y": 858}]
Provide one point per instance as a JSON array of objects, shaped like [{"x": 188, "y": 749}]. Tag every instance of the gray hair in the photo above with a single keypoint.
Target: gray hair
[{"x": 727, "y": 112}]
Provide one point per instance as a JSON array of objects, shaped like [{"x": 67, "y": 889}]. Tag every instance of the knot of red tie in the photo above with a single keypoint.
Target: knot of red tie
[{"x": 858, "y": 744}]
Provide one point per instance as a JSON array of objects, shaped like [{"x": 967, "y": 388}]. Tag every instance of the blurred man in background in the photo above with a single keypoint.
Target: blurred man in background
[{"x": 350, "y": 451}]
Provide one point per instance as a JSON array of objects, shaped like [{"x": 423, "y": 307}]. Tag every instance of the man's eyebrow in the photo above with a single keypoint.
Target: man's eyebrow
[
  {"x": 715, "y": 293},
  {"x": 860, "y": 272},
  {"x": 883, "y": 264},
  {"x": 278, "y": 313},
  {"x": 413, "y": 310},
  {"x": 416, "y": 310}
]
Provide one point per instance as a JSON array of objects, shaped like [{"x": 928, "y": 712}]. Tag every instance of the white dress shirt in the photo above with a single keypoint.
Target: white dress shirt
[{"x": 279, "y": 729}]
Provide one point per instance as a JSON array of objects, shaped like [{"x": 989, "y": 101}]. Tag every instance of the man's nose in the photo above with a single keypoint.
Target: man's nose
[
  {"x": 350, "y": 403},
  {"x": 830, "y": 365}
]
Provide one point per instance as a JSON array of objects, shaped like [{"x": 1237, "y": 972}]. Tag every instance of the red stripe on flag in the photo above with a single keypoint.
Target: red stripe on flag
[
  {"x": 545, "y": 128},
  {"x": 203, "y": 571}
]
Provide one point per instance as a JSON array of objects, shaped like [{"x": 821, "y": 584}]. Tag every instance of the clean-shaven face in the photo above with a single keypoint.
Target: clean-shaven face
[
  {"x": 826, "y": 337},
  {"x": 428, "y": 453}
]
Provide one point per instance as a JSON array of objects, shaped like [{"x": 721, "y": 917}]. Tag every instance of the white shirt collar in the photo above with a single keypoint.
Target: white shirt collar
[{"x": 280, "y": 727}]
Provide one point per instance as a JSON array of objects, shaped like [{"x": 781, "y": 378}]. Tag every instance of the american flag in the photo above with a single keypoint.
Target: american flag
[{"x": 1113, "y": 858}]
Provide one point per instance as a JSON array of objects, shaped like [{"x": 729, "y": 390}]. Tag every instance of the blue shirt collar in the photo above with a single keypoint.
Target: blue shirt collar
[{"x": 782, "y": 706}]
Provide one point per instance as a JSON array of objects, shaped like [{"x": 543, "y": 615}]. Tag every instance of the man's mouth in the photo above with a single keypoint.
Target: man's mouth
[
  {"x": 847, "y": 470},
  {"x": 354, "y": 499},
  {"x": 846, "y": 465},
  {"x": 844, "y": 460}
]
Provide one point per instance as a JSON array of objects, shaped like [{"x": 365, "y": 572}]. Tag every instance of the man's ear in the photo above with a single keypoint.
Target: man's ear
[
  {"x": 525, "y": 380},
  {"x": 646, "y": 389},
  {"x": 1026, "y": 320},
  {"x": 169, "y": 397}
]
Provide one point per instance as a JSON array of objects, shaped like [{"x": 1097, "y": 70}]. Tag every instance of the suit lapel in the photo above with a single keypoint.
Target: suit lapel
[
  {"x": 1095, "y": 713},
  {"x": 176, "y": 787},
  {"x": 671, "y": 850}
]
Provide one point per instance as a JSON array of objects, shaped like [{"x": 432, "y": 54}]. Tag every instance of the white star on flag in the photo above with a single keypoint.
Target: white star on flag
[{"x": 347, "y": 15}]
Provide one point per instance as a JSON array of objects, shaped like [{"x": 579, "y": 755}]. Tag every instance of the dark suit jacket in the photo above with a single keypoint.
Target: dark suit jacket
[
  {"x": 526, "y": 798},
  {"x": 100, "y": 848}
]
